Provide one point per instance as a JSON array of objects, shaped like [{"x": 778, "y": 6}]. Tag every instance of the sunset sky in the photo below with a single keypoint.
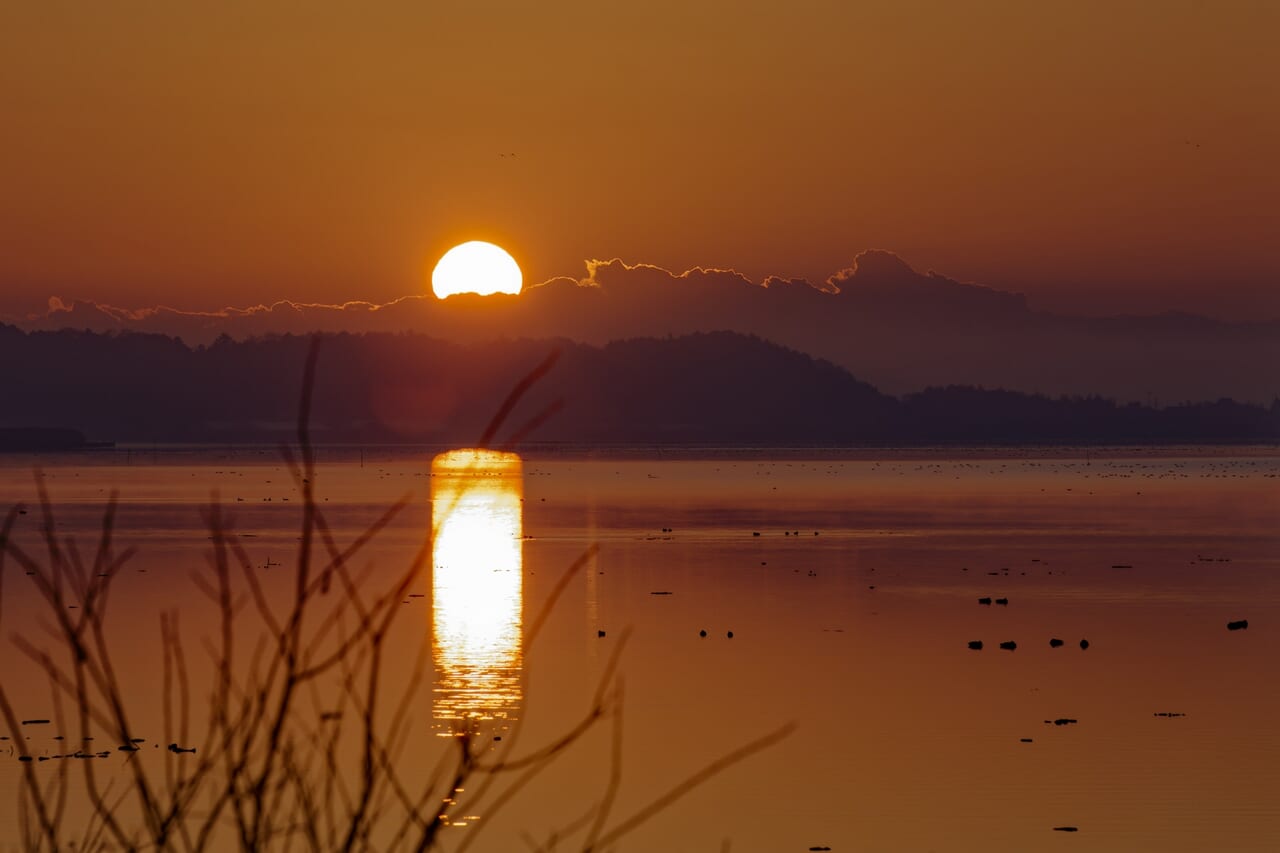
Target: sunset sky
[{"x": 1098, "y": 156}]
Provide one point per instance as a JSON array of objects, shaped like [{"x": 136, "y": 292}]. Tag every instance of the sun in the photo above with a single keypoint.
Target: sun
[{"x": 476, "y": 267}]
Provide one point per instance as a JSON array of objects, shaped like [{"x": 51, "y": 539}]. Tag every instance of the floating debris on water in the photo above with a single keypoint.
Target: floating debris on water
[
  {"x": 1055, "y": 643},
  {"x": 1066, "y": 829},
  {"x": 984, "y": 600},
  {"x": 976, "y": 645},
  {"x": 1009, "y": 645},
  {"x": 1238, "y": 625}
]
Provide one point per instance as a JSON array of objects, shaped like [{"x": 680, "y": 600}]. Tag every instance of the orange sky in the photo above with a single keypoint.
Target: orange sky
[{"x": 1096, "y": 155}]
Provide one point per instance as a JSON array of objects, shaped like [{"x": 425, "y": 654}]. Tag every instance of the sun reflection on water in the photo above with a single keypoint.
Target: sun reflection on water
[{"x": 477, "y": 561}]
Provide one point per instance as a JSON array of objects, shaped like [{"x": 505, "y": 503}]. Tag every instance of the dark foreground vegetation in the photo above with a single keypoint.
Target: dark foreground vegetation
[
  {"x": 721, "y": 388},
  {"x": 307, "y": 743}
]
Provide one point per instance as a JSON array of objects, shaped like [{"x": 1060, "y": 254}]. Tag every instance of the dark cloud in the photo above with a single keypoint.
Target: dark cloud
[
  {"x": 873, "y": 266},
  {"x": 779, "y": 282},
  {"x": 200, "y": 327}
]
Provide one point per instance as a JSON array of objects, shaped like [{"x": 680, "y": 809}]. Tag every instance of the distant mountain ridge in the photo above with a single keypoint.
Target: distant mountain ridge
[
  {"x": 41, "y": 439},
  {"x": 885, "y": 322},
  {"x": 719, "y": 387}
]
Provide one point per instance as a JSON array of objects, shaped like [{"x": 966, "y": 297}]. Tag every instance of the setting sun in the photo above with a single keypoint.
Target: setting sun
[{"x": 476, "y": 267}]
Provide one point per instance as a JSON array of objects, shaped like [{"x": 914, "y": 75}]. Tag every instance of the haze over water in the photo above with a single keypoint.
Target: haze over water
[{"x": 851, "y": 611}]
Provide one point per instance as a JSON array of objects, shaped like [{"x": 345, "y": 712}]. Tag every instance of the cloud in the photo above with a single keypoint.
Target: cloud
[
  {"x": 618, "y": 271},
  {"x": 201, "y": 327},
  {"x": 638, "y": 297},
  {"x": 886, "y": 279},
  {"x": 650, "y": 290},
  {"x": 872, "y": 266},
  {"x": 775, "y": 281}
]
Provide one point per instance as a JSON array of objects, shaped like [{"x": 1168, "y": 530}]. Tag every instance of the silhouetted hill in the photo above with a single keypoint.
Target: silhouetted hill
[
  {"x": 718, "y": 387},
  {"x": 978, "y": 415},
  {"x": 41, "y": 439}
]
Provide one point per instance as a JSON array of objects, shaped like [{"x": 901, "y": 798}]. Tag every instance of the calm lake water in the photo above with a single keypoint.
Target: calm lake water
[{"x": 852, "y": 585}]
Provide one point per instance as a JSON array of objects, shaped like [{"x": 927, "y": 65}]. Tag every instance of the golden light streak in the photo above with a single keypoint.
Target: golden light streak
[{"x": 477, "y": 580}]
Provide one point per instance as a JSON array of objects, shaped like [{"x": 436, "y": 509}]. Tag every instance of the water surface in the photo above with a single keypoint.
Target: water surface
[{"x": 851, "y": 587}]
